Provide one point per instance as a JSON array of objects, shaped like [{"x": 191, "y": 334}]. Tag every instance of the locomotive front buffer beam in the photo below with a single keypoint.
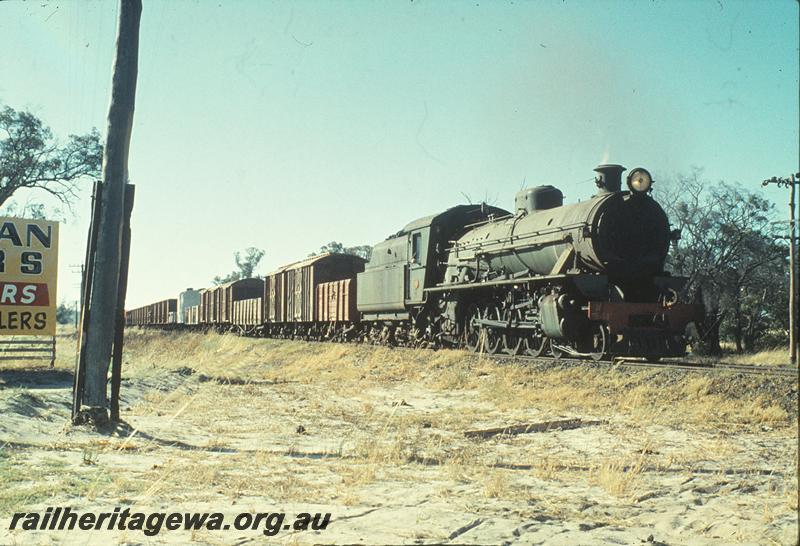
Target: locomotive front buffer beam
[{"x": 622, "y": 317}]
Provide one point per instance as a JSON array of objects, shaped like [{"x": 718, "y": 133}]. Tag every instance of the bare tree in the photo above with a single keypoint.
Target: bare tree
[
  {"x": 729, "y": 251},
  {"x": 31, "y": 157}
]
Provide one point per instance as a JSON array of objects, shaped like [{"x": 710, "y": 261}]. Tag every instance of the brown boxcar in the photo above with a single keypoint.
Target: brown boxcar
[
  {"x": 336, "y": 301},
  {"x": 207, "y": 305},
  {"x": 216, "y": 306},
  {"x": 243, "y": 289},
  {"x": 161, "y": 312},
  {"x": 216, "y": 303},
  {"x": 247, "y": 312},
  {"x": 203, "y": 306},
  {"x": 274, "y": 309},
  {"x": 290, "y": 293}
]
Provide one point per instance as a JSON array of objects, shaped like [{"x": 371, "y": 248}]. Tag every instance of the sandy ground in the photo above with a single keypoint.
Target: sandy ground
[{"x": 376, "y": 438}]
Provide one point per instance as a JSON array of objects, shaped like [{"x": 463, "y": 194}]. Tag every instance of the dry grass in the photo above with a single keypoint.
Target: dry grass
[
  {"x": 226, "y": 418},
  {"x": 22, "y": 483},
  {"x": 774, "y": 356},
  {"x": 619, "y": 478},
  {"x": 496, "y": 484},
  {"x": 349, "y": 369}
]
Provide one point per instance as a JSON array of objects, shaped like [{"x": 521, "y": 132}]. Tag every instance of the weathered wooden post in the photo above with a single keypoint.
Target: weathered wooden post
[
  {"x": 86, "y": 284},
  {"x": 102, "y": 287},
  {"x": 119, "y": 331}
]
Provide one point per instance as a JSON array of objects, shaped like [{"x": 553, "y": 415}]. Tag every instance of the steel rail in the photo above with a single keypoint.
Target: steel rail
[{"x": 677, "y": 365}]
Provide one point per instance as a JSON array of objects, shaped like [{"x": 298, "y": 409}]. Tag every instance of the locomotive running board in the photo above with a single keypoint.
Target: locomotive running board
[{"x": 490, "y": 284}]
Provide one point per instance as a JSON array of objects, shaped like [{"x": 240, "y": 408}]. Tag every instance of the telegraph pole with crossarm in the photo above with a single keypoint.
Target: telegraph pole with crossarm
[{"x": 790, "y": 183}]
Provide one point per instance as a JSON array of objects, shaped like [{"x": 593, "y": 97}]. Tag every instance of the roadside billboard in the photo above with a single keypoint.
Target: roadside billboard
[{"x": 28, "y": 271}]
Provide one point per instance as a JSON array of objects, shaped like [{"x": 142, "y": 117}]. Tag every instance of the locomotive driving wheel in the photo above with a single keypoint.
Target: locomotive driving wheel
[
  {"x": 492, "y": 336},
  {"x": 535, "y": 343},
  {"x": 599, "y": 342},
  {"x": 512, "y": 341},
  {"x": 473, "y": 338}
]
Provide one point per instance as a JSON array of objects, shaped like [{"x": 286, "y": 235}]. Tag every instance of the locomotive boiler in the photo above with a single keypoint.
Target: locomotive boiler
[{"x": 624, "y": 235}]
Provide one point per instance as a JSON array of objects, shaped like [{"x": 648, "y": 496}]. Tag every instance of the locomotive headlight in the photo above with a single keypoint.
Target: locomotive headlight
[{"x": 639, "y": 180}]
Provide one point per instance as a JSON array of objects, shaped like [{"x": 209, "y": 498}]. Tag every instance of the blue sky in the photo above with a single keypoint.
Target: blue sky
[{"x": 287, "y": 125}]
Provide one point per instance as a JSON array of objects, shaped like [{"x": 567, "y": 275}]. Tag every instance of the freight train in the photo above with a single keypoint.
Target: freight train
[{"x": 584, "y": 279}]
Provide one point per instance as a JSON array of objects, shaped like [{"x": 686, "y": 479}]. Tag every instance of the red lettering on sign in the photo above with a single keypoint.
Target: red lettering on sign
[{"x": 24, "y": 293}]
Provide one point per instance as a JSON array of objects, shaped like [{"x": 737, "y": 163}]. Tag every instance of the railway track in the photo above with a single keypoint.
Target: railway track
[
  {"x": 777, "y": 370},
  {"x": 681, "y": 365},
  {"x": 629, "y": 362}
]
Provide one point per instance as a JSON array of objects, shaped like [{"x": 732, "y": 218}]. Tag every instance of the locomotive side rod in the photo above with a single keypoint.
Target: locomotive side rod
[{"x": 503, "y": 324}]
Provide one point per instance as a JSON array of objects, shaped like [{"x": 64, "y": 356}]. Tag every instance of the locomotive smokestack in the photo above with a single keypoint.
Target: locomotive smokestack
[{"x": 610, "y": 179}]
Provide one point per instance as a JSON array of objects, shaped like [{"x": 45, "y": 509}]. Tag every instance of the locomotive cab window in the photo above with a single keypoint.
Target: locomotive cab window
[{"x": 416, "y": 250}]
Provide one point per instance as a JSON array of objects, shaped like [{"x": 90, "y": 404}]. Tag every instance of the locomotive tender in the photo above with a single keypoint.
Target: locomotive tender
[{"x": 585, "y": 279}]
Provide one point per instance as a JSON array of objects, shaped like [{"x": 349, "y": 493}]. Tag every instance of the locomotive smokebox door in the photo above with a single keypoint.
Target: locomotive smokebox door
[{"x": 417, "y": 254}]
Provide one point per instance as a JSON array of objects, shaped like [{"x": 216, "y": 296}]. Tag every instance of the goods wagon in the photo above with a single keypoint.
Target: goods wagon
[
  {"x": 336, "y": 301},
  {"x": 290, "y": 293},
  {"x": 242, "y": 289},
  {"x": 162, "y": 312},
  {"x": 204, "y": 306},
  {"x": 216, "y": 303},
  {"x": 192, "y": 315},
  {"x": 248, "y": 312},
  {"x": 274, "y": 309},
  {"x": 209, "y": 305},
  {"x": 186, "y": 299}
]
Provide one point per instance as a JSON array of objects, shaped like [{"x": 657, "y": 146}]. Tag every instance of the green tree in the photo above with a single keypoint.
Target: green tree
[
  {"x": 246, "y": 264},
  {"x": 364, "y": 251},
  {"x": 65, "y": 314},
  {"x": 729, "y": 251},
  {"x": 32, "y": 158}
]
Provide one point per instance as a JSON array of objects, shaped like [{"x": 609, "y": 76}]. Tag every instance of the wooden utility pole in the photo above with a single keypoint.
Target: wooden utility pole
[
  {"x": 792, "y": 278},
  {"x": 791, "y": 183},
  {"x": 86, "y": 287},
  {"x": 103, "y": 287},
  {"x": 119, "y": 332}
]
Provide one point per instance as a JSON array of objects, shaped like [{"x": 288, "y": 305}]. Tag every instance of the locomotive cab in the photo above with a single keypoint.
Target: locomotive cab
[{"x": 406, "y": 263}]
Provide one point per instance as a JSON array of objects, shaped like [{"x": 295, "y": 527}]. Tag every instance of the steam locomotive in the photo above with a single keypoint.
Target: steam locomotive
[{"x": 584, "y": 279}]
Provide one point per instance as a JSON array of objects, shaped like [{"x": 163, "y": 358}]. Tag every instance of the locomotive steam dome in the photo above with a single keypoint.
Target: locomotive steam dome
[{"x": 538, "y": 198}]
